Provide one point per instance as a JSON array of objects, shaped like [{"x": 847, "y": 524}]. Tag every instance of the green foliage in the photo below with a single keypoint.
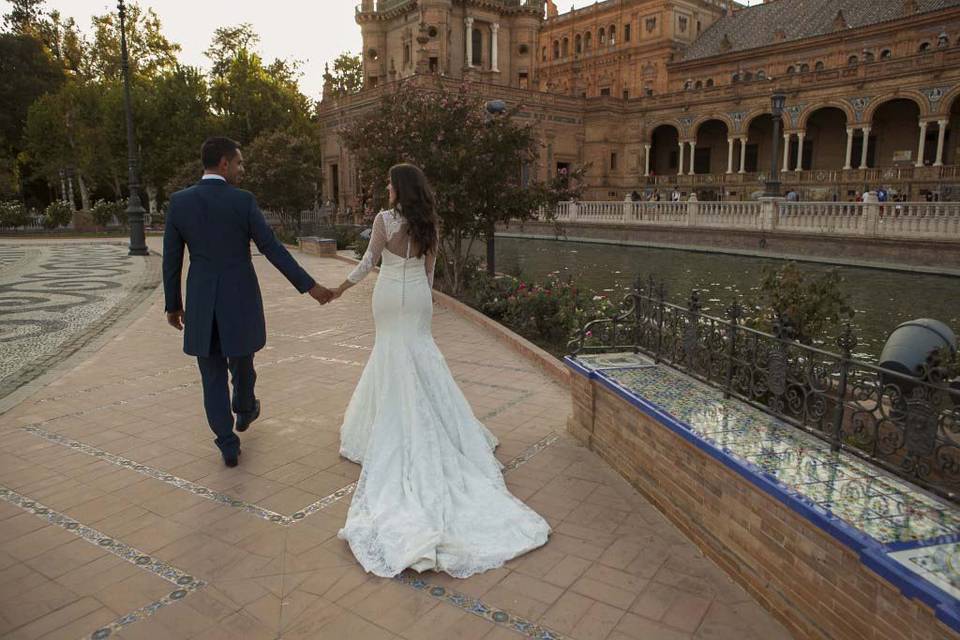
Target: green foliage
[
  {"x": 13, "y": 214},
  {"x": 57, "y": 214},
  {"x": 227, "y": 44},
  {"x": 150, "y": 52},
  {"x": 812, "y": 306},
  {"x": 474, "y": 162},
  {"x": 346, "y": 77},
  {"x": 105, "y": 212},
  {"x": 27, "y": 71},
  {"x": 360, "y": 247},
  {"x": 283, "y": 169},
  {"x": 346, "y": 235}
]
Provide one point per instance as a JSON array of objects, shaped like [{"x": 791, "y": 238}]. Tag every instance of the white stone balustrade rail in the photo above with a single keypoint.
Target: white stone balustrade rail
[{"x": 914, "y": 220}]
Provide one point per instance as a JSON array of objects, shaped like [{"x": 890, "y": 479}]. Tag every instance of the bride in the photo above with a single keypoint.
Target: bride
[{"x": 431, "y": 493}]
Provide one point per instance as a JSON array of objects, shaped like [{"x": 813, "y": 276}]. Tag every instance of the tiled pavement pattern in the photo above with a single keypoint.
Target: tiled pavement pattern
[
  {"x": 55, "y": 296},
  {"x": 118, "y": 445},
  {"x": 918, "y": 530}
]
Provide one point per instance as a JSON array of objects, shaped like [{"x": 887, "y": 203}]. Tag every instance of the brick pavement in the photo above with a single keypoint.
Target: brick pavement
[{"x": 118, "y": 518}]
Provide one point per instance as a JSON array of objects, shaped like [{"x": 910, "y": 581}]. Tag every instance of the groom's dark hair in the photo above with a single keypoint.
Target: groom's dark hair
[{"x": 215, "y": 148}]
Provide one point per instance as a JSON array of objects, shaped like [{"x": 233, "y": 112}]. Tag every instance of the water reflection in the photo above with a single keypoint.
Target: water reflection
[{"x": 882, "y": 299}]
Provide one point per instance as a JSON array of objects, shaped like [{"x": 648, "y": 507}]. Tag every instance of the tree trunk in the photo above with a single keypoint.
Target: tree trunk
[
  {"x": 72, "y": 197},
  {"x": 63, "y": 186},
  {"x": 84, "y": 192},
  {"x": 117, "y": 190},
  {"x": 151, "y": 199}
]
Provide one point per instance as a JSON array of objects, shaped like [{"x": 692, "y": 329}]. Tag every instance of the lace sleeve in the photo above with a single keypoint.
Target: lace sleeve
[
  {"x": 378, "y": 240},
  {"x": 430, "y": 261}
]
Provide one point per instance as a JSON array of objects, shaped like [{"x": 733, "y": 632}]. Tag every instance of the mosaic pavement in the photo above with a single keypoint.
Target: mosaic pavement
[
  {"x": 117, "y": 445},
  {"x": 54, "y": 296},
  {"x": 872, "y": 501}
]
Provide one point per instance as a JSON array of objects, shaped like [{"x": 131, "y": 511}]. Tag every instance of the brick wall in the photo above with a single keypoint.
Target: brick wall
[{"x": 814, "y": 584}]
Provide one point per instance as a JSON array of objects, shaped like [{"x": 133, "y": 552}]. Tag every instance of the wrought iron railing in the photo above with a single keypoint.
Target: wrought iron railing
[{"x": 908, "y": 424}]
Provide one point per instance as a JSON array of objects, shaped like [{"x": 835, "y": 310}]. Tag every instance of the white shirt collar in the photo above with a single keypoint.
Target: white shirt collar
[{"x": 213, "y": 176}]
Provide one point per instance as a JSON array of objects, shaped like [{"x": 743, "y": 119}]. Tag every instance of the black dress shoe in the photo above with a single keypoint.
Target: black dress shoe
[
  {"x": 232, "y": 460},
  {"x": 244, "y": 420}
]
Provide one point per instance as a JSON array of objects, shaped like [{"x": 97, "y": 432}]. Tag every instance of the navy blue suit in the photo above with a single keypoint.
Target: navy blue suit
[{"x": 223, "y": 318}]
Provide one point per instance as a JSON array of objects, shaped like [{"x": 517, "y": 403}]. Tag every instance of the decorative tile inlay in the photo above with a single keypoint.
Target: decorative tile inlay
[
  {"x": 935, "y": 94},
  {"x": 478, "y": 608},
  {"x": 940, "y": 564},
  {"x": 185, "y": 583},
  {"x": 249, "y": 507},
  {"x": 615, "y": 361},
  {"x": 865, "y": 497}
]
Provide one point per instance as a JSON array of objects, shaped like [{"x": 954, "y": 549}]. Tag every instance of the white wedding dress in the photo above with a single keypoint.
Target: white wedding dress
[{"x": 431, "y": 493}]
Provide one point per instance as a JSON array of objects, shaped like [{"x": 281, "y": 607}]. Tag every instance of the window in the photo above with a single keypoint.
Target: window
[
  {"x": 943, "y": 41},
  {"x": 524, "y": 80},
  {"x": 735, "y": 78},
  {"x": 804, "y": 68},
  {"x": 886, "y": 54},
  {"x": 544, "y": 54},
  {"x": 556, "y": 49},
  {"x": 819, "y": 66},
  {"x": 626, "y": 94},
  {"x": 432, "y": 32},
  {"x": 565, "y": 48},
  {"x": 868, "y": 56},
  {"x": 613, "y": 34},
  {"x": 406, "y": 54},
  {"x": 434, "y": 64},
  {"x": 626, "y": 33},
  {"x": 605, "y": 91},
  {"x": 372, "y": 81},
  {"x": 682, "y": 23},
  {"x": 688, "y": 85},
  {"x": 477, "y": 47},
  {"x": 761, "y": 75},
  {"x": 699, "y": 84},
  {"x": 709, "y": 82},
  {"x": 578, "y": 44},
  {"x": 924, "y": 47},
  {"x": 748, "y": 76},
  {"x": 853, "y": 60},
  {"x": 602, "y": 36},
  {"x": 523, "y": 49},
  {"x": 588, "y": 40},
  {"x": 613, "y": 161},
  {"x": 791, "y": 69}
]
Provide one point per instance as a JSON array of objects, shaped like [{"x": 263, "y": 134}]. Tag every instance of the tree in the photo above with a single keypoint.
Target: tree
[
  {"x": 227, "y": 44},
  {"x": 346, "y": 78},
  {"x": 283, "y": 169},
  {"x": 481, "y": 170},
  {"x": 150, "y": 52}
]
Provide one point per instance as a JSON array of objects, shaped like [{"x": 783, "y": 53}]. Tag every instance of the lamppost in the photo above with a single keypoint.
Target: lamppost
[
  {"x": 135, "y": 212},
  {"x": 493, "y": 108},
  {"x": 777, "y": 100}
]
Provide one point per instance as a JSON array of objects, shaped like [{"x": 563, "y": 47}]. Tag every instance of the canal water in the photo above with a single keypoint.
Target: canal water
[{"x": 882, "y": 299}]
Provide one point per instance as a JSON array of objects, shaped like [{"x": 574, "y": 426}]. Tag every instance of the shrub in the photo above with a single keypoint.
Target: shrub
[
  {"x": 13, "y": 214},
  {"x": 57, "y": 214},
  {"x": 104, "y": 212}
]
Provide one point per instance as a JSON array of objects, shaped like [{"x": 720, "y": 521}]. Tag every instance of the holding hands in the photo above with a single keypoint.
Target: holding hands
[{"x": 324, "y": 295}]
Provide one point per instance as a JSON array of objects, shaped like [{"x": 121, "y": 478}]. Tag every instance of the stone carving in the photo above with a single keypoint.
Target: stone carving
[
  {"x": 795, "y": 110},
  {"x": 859, "y": 104},
  {"x": 934, "y": 94},
  {"x": 736, "y": 118}
]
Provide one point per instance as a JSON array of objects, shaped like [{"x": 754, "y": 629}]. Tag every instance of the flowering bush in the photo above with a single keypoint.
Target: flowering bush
[
  {"x": 104, "y": 212},
  {"x": 13, "y": 214},
  {"x": 57, "y": 214}
]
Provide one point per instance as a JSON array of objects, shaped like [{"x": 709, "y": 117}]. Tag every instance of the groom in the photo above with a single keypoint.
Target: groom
[{"x": 223, "y": 319}]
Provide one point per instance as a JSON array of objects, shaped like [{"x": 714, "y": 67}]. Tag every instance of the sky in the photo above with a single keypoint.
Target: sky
[{"x": 313, "y": 31}]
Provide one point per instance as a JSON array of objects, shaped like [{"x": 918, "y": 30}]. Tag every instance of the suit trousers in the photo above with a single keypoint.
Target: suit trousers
[{"x": 216, "y": 393}]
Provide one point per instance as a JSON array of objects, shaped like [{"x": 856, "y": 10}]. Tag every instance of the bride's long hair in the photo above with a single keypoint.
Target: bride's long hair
[{"x": 416, "y": 204}]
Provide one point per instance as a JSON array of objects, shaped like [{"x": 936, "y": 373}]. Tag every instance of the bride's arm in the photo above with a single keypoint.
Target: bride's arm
[
  {"x": 378, "y": 240},
  {"x": 430, "y": 260}
]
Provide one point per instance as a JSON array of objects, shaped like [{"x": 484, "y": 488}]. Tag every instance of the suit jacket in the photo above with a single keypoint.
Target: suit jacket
[{"x": 216, "y": 222}]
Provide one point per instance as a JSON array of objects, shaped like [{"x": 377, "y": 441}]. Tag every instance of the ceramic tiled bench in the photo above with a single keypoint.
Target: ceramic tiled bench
[{"x": 834, "y": 546}]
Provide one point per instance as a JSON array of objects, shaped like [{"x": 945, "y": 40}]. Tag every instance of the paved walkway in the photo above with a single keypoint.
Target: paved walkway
[{"x": 118, "y": 518}]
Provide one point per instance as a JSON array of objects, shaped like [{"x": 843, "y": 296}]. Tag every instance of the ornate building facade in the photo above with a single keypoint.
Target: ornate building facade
[{"x": 658, "y": 94}]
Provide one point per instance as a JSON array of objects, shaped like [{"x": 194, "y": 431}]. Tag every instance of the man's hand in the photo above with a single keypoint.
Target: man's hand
[
  {"x": 175, "y": 319},
  {"x": 321, "y": 294}
]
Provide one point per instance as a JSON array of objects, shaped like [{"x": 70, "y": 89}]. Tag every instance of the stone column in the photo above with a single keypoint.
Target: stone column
[
  {"x": 743, "y": 154},
  {"x": 730, "y": 155},
  {"x": 866, "y": 146},
  {"x": 922, "y": 147},
  {"x": 942, "y": 124},
  {"x": 846, "y": 164},
  {"x": 693, "y": 148},
  {"x": 683, "y": 146},
  {"x": 800, "y": 136},
  {"x": 468, "y": 24},
  {"x": 646, "y": 160},
  {"x": 786, "y": 151},
  {"x": 495, "y": 36}
]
